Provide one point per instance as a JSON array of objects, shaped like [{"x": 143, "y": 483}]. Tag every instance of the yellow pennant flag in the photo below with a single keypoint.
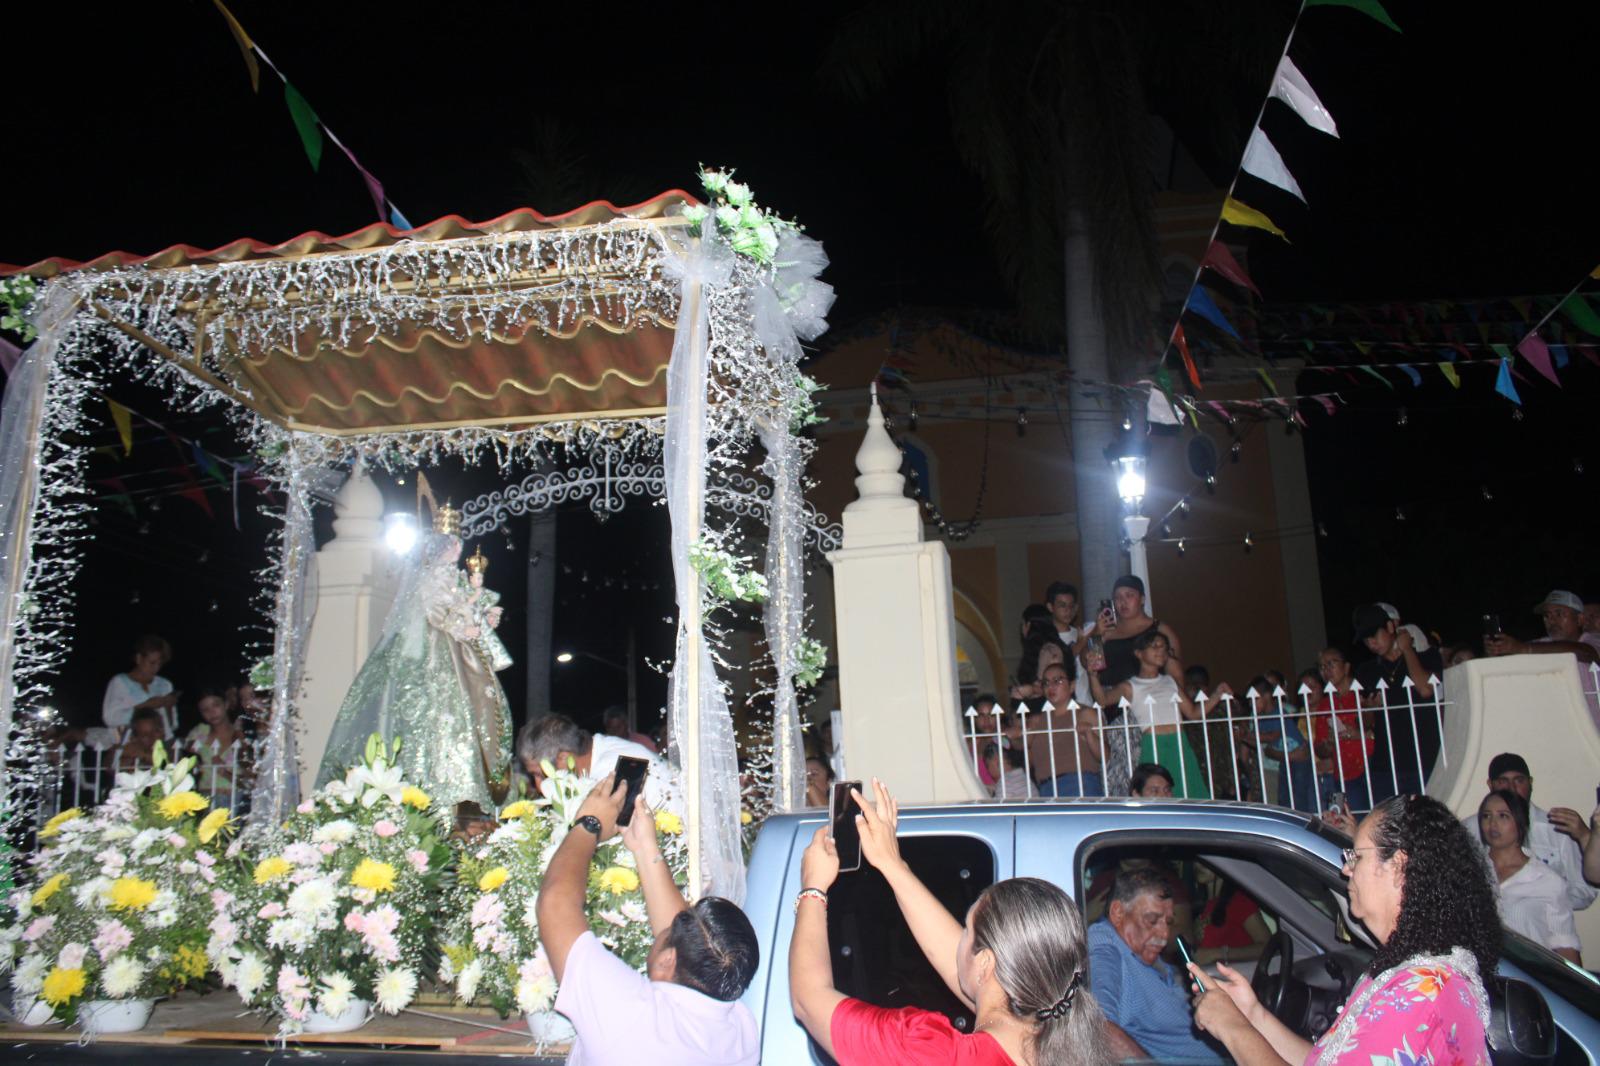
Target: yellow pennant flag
[
  {"x": 246, "y": 45},
  {"x": 1240, "y": 214},
  {"x": 124, "y": 420},
  {"x": 1595, "y": 273},
  {"x": 1450, "y": 375}
]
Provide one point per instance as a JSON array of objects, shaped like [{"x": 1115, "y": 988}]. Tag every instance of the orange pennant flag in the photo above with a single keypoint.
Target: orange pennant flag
[
  {"x": 124, "y": 420},
  {"x": 1241, "y": 214},
  {"x": 246, "y": 45}
]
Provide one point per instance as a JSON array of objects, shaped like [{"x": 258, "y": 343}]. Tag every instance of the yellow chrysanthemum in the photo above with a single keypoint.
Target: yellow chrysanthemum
[
  {"x": 519, "y": 809},
  {"x": 191, "y": 962},
  {"x": 272, "y": 868},
  {"x": 48, "y": 889},
  {"x": 493, "y": 879},
  {"x": 179, "y": 804},
  {"x": 667, "y": 822},
  {"x": 132, "y": 894},
  {"x": 373, "y": 875},
  {"x": 53, "y": 826},
  {"x": 415, "y": 797},
  {"x": 619, "y": 880},
  {"x": 745, "y": 817},
  {"x": 212, "y": 824},
  {"x": 63, "y": 986}
]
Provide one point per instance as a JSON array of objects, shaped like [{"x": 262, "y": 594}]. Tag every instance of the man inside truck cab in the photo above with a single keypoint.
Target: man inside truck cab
[{"x": 1137, "y": 990}]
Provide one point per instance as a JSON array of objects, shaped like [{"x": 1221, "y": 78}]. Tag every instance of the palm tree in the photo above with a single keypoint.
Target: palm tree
[{"x": 1050, "y": 104}]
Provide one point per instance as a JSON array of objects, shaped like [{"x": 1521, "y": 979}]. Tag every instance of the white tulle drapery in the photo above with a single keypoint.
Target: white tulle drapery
[
  {"x": 705, "y": 746},
  {"x": 22, "y": 446}
]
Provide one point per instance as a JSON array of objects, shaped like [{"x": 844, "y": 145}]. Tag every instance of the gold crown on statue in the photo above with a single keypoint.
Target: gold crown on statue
[
  {"x": 447, "y": 520},
  {"x": 477, "y": 562}
]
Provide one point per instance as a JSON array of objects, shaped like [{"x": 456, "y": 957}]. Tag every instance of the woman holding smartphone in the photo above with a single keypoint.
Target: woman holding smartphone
[{"x": 1019, "y": 962}]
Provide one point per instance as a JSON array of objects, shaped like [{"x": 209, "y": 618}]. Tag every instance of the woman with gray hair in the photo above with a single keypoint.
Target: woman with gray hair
[{"x": 1018, "y": 962}]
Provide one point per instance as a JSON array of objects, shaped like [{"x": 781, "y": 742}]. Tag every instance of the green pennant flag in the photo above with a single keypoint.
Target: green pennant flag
[
  {"x": 1367, "y": 7},
  {"x": 1450, "y": 374},
  {"x": 1374, "y": 372},
  {"x": 1266, "y": 379},
  {"x": 305, "y": 123},
  {"x": 1581, "y": 314},
  {"x": 1503, "y": 351}
]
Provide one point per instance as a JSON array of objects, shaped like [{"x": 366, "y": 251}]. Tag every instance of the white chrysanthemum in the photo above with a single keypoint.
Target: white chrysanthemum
[
  {"x": 530, "y": 913},
  {"x": 164, "y": 899},
  {"x": 447, "y": 969},
  {"x": 338, "y": 831},
  {"x": 313, "y": 898},
  {"x": 289, "y": 933},
  {"x": 613, "y": 918},
  {"x": 535, "y": 994},
  {"x": 144, "y": 839},
  {"x": 165, "y": 918},
  {"x": 249, "y": 975},
  {"x": 94, "y": 891},
  {"x": 333, "y": 997},
  {"x": 625, "y": 858},
  {"x": 634, "y": 911},
  {"x": 29, "y": 975},
  {"x": 467, "y": 983},
  {"x": 394, "y": 989},
  {"x": 120, "y": 979},
  {"x": 515, "y": 831}
]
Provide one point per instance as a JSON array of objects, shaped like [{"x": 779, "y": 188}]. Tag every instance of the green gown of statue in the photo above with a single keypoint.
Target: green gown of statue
[{"x": 430, "y": 681}]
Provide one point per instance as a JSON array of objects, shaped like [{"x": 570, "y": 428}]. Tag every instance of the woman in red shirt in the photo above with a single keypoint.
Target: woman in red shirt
[{"x": 1019, "y": 963}]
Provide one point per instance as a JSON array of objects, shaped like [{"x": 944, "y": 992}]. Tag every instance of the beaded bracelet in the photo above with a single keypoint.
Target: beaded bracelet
[{"x": 811, "y": 893}]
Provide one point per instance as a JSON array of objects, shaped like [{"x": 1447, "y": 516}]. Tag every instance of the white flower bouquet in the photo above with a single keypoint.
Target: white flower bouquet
[
  {"x": 111, "y": 912},
  {"x": 491, "y": 948},
  {"x": 339, "y": 907}
]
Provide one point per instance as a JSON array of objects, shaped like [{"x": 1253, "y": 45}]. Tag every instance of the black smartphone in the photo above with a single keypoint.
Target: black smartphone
[
  {"x": 1491, "y": 625},
  {"x": 842, "y": 811},
  {"x": 631, "y": 773},
  {"x": 1597, "y": 795}
]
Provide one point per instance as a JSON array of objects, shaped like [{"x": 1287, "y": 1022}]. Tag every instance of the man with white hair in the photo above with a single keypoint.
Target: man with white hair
[{"x": 1562, "y": 613}]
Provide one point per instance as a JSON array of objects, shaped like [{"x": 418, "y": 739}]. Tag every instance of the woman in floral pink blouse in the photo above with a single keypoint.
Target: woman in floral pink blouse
[{"x": 1419, "y": 885}]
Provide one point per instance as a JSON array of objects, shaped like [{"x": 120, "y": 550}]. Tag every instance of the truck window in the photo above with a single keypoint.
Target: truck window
[{"x": 875, "y": 957}]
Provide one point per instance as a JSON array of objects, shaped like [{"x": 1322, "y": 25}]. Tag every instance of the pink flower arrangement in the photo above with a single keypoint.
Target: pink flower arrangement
[
  {"x": 110, "y": 938},
  {"x": 385, "y": 828}
]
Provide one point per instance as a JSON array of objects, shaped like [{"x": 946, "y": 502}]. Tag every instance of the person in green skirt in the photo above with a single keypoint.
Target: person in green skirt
[{"x": 1157, "y": 707}]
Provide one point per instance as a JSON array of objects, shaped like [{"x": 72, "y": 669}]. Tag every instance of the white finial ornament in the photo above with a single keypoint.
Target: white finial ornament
[{"x": 882, "y": 512}]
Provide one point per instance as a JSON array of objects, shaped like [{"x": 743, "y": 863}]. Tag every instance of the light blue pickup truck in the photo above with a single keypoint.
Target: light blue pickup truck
[{"x": 1288, "y": 863}]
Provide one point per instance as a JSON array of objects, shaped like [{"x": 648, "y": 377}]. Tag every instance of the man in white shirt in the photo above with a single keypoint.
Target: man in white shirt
[
  {"x": 1547, "y": 843},
  {"x": 556, "y": 739}
]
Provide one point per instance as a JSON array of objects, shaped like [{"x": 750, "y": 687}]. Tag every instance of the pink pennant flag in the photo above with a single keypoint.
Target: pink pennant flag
[
  {"x": 1326, "y": 402},
  {"x": 374, "y": 186},
  {"x": 1534, "y": 351},
  {"x": 1220, "y": 259}
]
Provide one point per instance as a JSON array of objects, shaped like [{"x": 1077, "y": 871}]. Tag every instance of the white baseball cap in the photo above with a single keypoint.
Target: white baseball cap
[{"x": 1561, "y": 598}]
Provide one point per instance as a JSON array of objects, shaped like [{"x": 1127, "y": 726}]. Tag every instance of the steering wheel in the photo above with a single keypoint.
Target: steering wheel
[{"x": 1269, "y": 988}]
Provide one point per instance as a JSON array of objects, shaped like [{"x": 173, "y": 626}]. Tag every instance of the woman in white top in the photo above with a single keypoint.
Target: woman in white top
[
  {"x": 1533, "y": 897},
  {"x": 143, "y": 687},
  {"x": 1156, "y": 709}
]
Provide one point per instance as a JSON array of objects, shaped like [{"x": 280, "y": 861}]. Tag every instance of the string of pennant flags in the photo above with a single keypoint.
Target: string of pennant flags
[
  {"x": 307, "y": 123},
  {"x": 1263, "y": 161}
]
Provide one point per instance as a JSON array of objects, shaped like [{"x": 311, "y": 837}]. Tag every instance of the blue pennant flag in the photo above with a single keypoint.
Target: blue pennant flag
[
  {"x": 1561, "y": 357},
  {"x": 1413, "y": 373},
  {"x": 1504, "y": 385},
  {"x": 397, "y": 219},
  {"x": 1201, "y": 303}
]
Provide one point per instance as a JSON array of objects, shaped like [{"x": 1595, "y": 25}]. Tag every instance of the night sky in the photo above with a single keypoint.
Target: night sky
[{"x": 1461, "y": 172}]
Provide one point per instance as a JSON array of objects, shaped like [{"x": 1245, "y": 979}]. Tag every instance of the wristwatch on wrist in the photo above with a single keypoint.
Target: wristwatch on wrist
[{"x": 591, "y": 823}]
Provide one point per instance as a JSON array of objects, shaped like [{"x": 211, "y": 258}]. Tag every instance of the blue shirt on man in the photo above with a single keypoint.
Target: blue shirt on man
[{"x": 1150, "y": 1003}]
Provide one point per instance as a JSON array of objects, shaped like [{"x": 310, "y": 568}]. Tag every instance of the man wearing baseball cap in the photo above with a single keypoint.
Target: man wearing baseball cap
[
  {"x": 1555, "y": 837},
  {"x": 1562, "y": 612},
  {"x": 1407, "y": 746}
]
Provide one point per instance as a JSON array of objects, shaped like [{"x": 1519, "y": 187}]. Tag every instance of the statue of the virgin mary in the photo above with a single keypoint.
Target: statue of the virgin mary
[{"x": 430, "y": 681}]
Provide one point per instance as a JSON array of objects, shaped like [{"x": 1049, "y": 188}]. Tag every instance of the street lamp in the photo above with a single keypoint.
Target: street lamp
[
  {"x": 400, "y": 532},
  {"x": 566, "y": 657},
  {"x": 1130, "y": 466}
]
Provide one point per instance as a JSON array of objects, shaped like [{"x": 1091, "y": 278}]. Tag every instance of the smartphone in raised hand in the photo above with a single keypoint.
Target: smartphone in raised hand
[
  {"x": 631, "y": 773},
  {"x": 846, "y": 836}
]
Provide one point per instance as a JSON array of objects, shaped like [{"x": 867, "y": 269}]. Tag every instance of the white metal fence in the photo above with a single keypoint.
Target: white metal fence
[{"x": 82, "y": 775}]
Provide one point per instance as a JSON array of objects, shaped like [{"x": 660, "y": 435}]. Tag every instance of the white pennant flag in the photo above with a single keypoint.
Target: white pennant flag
[
  {"x": 1158, "y": 409},
  {"x": 1290, "y": 86},
  {"x": 1263, "y": 160}
]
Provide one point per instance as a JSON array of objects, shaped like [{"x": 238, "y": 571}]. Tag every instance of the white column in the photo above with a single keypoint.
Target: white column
[
  {"x": 355, "y": 590},
  {"x": 1135, "y": 526},
  {"x": 895, "y": 627}
]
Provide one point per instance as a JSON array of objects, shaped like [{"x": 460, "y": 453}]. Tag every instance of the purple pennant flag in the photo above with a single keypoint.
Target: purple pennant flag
[{"x": 1532, "y": 348}]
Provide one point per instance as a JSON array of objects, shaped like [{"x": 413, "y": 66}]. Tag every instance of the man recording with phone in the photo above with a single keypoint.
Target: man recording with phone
[
  {"x": 1562, "y": 613},
  {"x": 686, "y": 1010}
]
